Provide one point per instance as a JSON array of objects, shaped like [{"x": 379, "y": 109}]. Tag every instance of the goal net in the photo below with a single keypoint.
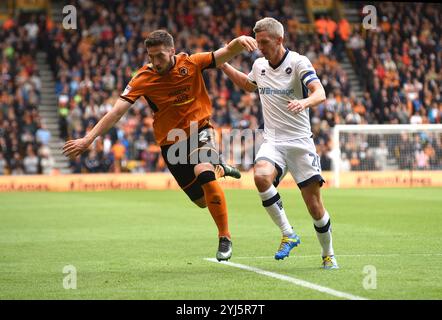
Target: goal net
[{"x": 377, "y": 155}]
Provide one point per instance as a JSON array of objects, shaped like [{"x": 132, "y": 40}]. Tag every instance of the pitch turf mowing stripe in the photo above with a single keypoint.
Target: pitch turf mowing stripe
[
  {"x": 292, "y": 280},
  {"x": 354, "y": 255}
]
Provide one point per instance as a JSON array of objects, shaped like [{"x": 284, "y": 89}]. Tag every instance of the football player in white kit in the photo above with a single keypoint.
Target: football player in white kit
[{"x": 283, "y": 79}]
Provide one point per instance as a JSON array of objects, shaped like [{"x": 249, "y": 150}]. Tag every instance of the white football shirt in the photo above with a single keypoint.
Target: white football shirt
[{"x": 277, "y": 86}]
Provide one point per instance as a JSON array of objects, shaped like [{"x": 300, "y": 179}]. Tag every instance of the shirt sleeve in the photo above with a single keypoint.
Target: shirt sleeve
[
  {"x": 133, "y": 90},
  {"x": 306, "y": 72},
  {"x": 251, "y": 76},
  {"x": 204, "y": 60}
]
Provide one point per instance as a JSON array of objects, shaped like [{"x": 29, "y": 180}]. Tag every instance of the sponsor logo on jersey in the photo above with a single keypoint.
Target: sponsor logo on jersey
[
  {"x": 288, "y": 70},
  {"x": 272, "y": 91}
]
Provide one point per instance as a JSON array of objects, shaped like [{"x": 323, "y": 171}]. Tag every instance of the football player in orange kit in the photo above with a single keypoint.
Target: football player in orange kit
[{"x": 174, "y": 87}]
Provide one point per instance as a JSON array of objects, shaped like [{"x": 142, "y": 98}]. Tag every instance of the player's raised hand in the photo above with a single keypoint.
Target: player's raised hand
[
  {"x": 73, "y": 148},
  {"x": 248, "y": 43},
  {"x": 233, "y": 48},
  {"x": 296, "y": 106}
]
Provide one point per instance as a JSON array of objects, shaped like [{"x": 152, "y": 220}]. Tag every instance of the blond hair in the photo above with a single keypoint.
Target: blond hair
[{"x": 271, "y": 25}]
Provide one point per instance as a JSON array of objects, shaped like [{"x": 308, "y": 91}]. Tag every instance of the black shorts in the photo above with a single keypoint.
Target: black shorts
[{"x": 182, "y": 157}]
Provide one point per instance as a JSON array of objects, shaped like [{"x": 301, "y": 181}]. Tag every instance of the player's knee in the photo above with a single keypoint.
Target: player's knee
[
  {"x": 201, "y": 167},
  {"x": 263, "y": 183},
  {"x": 202, "y": 205},
  {"x": 201, "y": 202}
]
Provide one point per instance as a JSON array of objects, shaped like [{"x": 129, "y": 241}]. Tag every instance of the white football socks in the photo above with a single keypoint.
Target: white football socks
[
  {"x": 323, "y": 232},
  {"x": 272, "y": 202}
]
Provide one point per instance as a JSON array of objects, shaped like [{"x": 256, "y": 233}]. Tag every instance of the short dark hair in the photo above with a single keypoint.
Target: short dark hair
[{"x": 159, "y": 37}]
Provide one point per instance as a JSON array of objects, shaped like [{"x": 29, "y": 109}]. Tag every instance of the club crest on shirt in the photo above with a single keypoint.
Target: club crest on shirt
[
  {"x": 183, "y": 71},
  {"x": 288, "y": 70},
  {"x": 127, "y": 90},
  {"x": 263, "y": 72}
]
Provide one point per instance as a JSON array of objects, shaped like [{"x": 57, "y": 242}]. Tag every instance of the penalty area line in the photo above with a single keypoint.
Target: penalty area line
[{"x": 295, "y": 281}]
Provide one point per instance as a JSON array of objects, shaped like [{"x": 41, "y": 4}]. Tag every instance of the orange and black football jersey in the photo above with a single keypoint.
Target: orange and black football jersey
[{"x": 178, "y": 97}]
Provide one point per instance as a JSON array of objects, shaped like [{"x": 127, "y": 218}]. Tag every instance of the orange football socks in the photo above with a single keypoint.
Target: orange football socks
[{"x": 216, "y": 201}]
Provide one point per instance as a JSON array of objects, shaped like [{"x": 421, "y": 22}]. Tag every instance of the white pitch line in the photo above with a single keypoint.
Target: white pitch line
[
  {"x": 292, "y": 280},
  {"x": 353, "y": 255}
]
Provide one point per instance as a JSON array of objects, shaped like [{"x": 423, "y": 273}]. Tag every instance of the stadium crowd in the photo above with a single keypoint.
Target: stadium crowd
[
  {"x": 400, "y": 68},
  {"x": 399, "y": 65},
  {"x": 24, "y": 137}
]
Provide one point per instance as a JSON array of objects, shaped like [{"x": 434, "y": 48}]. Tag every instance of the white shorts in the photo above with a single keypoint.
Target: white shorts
[{"x": 297, "y": 156}]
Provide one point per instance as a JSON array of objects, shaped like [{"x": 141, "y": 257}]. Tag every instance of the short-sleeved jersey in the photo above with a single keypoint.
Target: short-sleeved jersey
[
  {"x": 277, "y": 86},
  {"x": 178, "y": 97}
]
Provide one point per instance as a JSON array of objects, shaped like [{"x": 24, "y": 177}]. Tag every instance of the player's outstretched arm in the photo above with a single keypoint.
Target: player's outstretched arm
[
  {"x": 239, "y": 78},
  {"x": 234, "y": 48},
  {"x": 73, "y": 148}
]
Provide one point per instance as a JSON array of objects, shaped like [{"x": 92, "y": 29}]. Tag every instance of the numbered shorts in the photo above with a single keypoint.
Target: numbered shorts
[
  {"x": 297, "y": 156},
  {"x": 182, "y": 157}
]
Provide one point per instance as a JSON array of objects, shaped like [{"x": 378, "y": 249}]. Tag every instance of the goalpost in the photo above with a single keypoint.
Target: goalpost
[{"x": 387, "y": 151}]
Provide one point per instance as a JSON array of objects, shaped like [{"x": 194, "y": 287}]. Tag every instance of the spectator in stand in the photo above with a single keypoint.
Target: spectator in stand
[
  {"x": 321, "y": 26},
  {"x": 3, "y": 165},
  {"x": 331, "y": 28},
  {"x": 31, "y": 161},
  {"x": 345, "y": 165},
  {"x": 92, "y": 163},
  {"x": 47, "y": 161},
  {"x": 20, "y": 87},
  {"x": 421, "y": 160},
  {"x": 43, "y": 135},
  {"x": 119, "y": 155},
  {"x": 345, "y": 29},
  {"x": 16, "y": 164},
  {"x": 355, "y": 161}
]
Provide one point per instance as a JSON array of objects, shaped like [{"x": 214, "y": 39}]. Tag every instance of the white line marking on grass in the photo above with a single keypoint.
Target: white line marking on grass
[
  {"x": 353, "y": 255},
  {"x": 292, "y": 280}
]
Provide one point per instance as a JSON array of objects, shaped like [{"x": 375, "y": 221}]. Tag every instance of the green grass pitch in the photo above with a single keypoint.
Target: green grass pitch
[{"x": 152, "y": 245}]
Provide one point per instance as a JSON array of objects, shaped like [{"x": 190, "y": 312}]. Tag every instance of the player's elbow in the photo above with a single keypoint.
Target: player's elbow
[
  {"x": 247, "y": 89},
  {"x": 318, "y": 92},
  {"x": 321, "y": 96}
]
